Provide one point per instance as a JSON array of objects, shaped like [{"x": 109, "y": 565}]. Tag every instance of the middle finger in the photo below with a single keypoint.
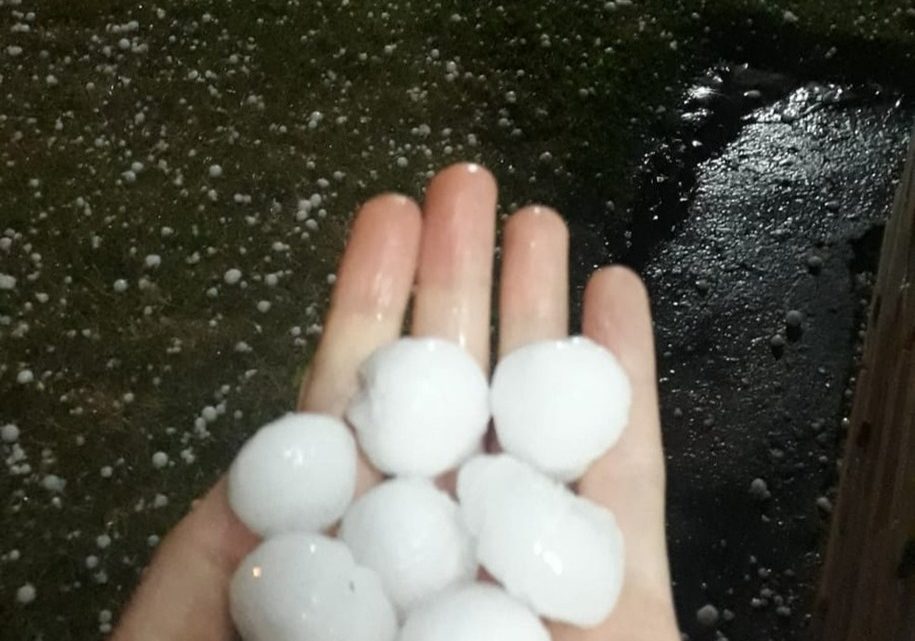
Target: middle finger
[{"x": 454, "y": 277}]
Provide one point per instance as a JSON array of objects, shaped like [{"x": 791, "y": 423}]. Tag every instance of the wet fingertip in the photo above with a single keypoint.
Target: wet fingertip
[
  {"x": 465, "y": 171},
  {"x": 617, "y": 280},
  {"x": 539, "y": 217},
  {"x": 391, "y": 204}
]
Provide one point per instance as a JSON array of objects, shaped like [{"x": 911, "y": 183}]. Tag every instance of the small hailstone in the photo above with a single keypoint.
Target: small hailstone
[
  {"x": 53, "y": 483},
  {"x": 794, "y": 318},
  {"x": 421, "y": 407},
  {"x": 232, "y": 276},
  {"x": 707, "y": 615},
  {"x": 759, "y": 489},
  {"x": 209, "y": 414},
  {"x": 215, "y": 171},
  {"x": 102, "y": 541},
  {"x": 106, "y": 471},
  {"x": 307, "y": 587},
  {"x": 271, "y": 280},
  {"x": 473, "y": 612},
  {"x": 7, "y": 282},
  {"x": 26, "y": 594},
  {"x": 559, "y": 405},
  {"x": 560, "y": 554},
  {"x": 159, "y": 460},
  {"x": 411, "y": 534},
  {"x": 120, "y": 285},
  {"x": 263, "y": 306},
  {"x": 9, "y": 433},
  {"x": 25, "y": 376},
  {"x": 297, "y": 473},
  {"x": 152, "y": 261}
]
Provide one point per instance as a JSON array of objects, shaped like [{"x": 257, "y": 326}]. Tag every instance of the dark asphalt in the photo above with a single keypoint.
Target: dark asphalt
[{"x": 757, "y": 227}]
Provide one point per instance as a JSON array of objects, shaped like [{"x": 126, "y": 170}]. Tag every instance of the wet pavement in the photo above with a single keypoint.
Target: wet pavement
[{"x": 759, "y": 260}]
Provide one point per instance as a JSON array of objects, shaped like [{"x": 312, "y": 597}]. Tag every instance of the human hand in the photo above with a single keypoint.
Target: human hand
[{"x": 444, "y": 257}]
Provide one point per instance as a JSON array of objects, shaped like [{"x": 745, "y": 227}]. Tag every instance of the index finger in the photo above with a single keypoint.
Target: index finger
[{"x": 183, "y": 595}]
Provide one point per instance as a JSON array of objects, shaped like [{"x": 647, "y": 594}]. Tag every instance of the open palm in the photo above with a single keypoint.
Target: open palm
[{"x": 443, "y": 256}]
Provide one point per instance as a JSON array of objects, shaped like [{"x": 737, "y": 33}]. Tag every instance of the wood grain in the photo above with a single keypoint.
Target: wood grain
[{"x": 867, "y": 588}]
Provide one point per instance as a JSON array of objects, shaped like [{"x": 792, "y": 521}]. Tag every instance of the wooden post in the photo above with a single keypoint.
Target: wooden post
[{"x": 867, "y": 589}]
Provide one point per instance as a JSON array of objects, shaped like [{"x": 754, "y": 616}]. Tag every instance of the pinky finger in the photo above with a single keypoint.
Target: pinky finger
[{"x": 629, "y": 479}]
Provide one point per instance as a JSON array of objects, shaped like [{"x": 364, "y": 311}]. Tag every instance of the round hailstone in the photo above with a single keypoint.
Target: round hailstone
[
  {"x": 232, "y": 276},
  {"x": 307, "y": 587},
  {"x": 295, "y": 474},
  {"x": 421, "y": 408},
  {"x": 559, "y": 405},
  {"x": 26, "y": 594},
  {"x": 553, "y": 550},
  {"x": 411, "y": 534},
  {"x": 159, "y": 460},
  {"x": 473, "y": 612},
  {"x": 9, "y": 433}
]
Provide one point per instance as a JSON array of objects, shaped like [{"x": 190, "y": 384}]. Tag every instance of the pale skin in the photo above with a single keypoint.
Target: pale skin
[{"x": 441, "y": 255}]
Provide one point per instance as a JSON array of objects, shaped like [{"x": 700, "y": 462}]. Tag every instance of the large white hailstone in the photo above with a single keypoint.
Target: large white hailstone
[
  {"x": 422, "y": 407},
  {"x": 295, "y": 474},
  {"x": 307, "y": 587},
  {"x": 473, "y": 612},
  {"x": 557, "y": 552},
  {"x": 559, "y": 405},
  {"x": 411, "y": 533}
]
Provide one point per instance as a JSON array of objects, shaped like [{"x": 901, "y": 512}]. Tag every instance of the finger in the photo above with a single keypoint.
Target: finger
[
  {"x": 454, "y": 277},
  {"x": 188, "y": 577},
  {"x": 367, "y": 307},
  {"x": 629, "y": 479},
  {"x": 183, "y": 595},
  {"x": 534, "y": 291}
]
